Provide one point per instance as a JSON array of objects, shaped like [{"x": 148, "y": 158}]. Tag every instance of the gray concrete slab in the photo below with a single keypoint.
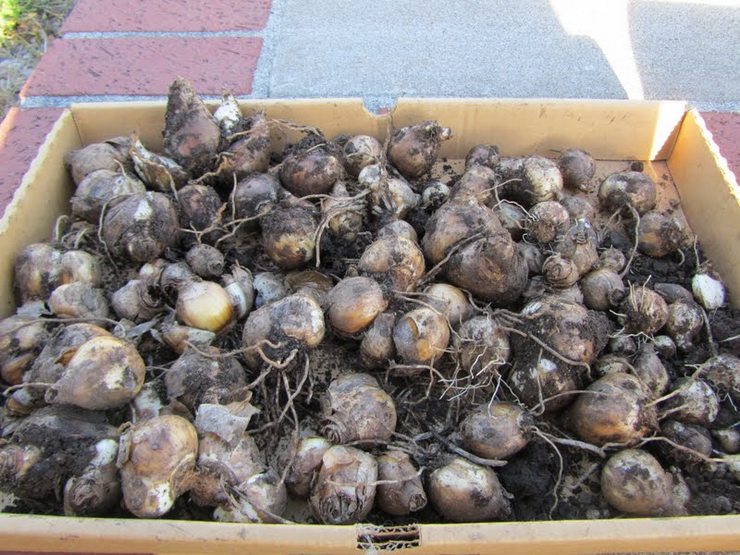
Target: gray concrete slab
[{"x": 530, "y": 48}]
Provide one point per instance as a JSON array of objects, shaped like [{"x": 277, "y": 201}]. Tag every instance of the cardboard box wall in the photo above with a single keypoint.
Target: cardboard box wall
[{"x": 609, "y": 130}]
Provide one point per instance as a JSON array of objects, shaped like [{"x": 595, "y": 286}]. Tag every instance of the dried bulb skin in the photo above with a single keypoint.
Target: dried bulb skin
[
  {"x": 621, "y": 189},
  {"x": 723, "y": 372},
  {"x": 390, "y": 197},
  {"x": 560, "y": 272},
  {"x": 610, "y": 364},
  {"x": 708, "y": 291},
  {"x": 293, "y": 322},
  {"x": 695, "y": 403},
  {"x": 491, "y": 268},
  {"x": 248, "y": 154},
  {"x": 512, "y": 217},
  {"x": 413, "y": 150},
  {"x": 61, "y": 348},
  {"x": 482, "y": 345},
  {"x": 632, "y": 481},
  {"x": 104, "y": 373},
  {"x": 49, "y": 446},
  {"x": 377, "y": 347},
  {"x": 395, "y": 262},
  {"x": 204, "y": 305},
  {"x": 685, "y": 320},
  {"x": 658, "y": 234},
  {"x": 37, "y": 271},
  {"x": 450, "y": 301},
  {"x": 97, "y": 490},
  {"x": 288, "y": 236},
  {"x": 15, "y": 463},
  {"x": 361, "y": 151},
  {"x": 269, "y": 288},
  {"x": 159, "y": 172},
  {"x": 664, "y": 346},
  {"x": 407, "y": 494},
  {"x": 477, "y": 183},
  {"x": 421, "y": 336},
  {"x": 353, "y": 304},
  {"x": 199, "y": 207},
  {"x": 691, "y": 436},
  {"x": 345, "y": 220},
  {"x": 615, "y": 411},
  {"x": 191, "y": 134},
  {"x": 97, "y": 189},
  {"x": 465, "y": 492},
  {"x": 651, "y": 372},
  {"x": 173, "y": 276},
  {"x": 482, "y": 155},
  {"x": 673, "y": 292},
  {"x": 496, "y": 431},
  {"x": 577, "y": 168},
  {"x": 255, "y": 195},
  {"x": 580, "y": 244},
  {"x": 602, "y": 289},
  {"x": 80, "y": 266},
  {"x": 179, "y": 338},
  {"x": 344, "y": 490},
  {"x": 195, "y": 379},
  {"x": 532, "y": 256},
  {"x": 612, "y": 259},
  {"x": 453, "y": 222},
  {"x": 141, "y": 226},
  {"x": 262, "y": 498},
  {"x": 547, "y": 220},
  {"x": 568, "y": 327},
  {"x": 306, "y": 456},
  {"x": 356, "y": 409},
  {"x": 579, "y": 208},
  {"x": 228, "y": 114},
  {"x": 21, "y": 339},
  {"x": 108, "y": 155},
  {"x": 433, "y": 195},
  {"x": 542, "y": 382},
  {"x": 224, "y": 463},
  {"x": 78, "y": 300},
  {"x": 239, "y": 285},
  {"x": 540, "y": 181},
  {"x": 645, "y": 311},
  {"x": 311, "y": 172},
  {"x": 398, "y": 228},
  {"x": 205, "y": 260},
  {"x": 728, "y": 439},
  {"x": 157, "y": 459}
]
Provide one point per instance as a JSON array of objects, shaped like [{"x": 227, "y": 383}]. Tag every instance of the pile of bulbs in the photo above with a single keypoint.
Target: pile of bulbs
[{"x": 164, "y": 339}]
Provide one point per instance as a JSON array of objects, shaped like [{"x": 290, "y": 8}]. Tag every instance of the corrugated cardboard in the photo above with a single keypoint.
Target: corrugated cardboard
[{"x": 609, "y": 130}]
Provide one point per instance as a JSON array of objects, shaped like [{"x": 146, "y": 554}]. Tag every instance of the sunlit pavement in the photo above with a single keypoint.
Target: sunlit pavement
[{"x": 644, "y": 49}]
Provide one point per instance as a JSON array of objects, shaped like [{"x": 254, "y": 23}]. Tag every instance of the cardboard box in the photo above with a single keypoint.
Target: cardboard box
[{"x": 663, "y": 133}]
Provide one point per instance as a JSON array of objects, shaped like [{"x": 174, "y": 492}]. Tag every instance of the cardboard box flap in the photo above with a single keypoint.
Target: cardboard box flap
[{"x": 710, "y": 198}]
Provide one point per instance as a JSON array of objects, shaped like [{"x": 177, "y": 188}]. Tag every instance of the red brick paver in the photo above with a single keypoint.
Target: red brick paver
[
  {"x": 725, "y": 129},
  {"x": 167, "y": 15},
  {"x": 21, "y": 133},
  {"x": 144, "y": 66}
]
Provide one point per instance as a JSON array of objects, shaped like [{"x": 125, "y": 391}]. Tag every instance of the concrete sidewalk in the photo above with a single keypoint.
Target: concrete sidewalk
[{"x": 128, "y": 49}]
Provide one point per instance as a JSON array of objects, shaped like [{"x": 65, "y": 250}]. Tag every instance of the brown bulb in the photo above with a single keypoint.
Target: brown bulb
[
  {"x": 204, "y": 305},
  {"x": 353, "y": 304},
  {"x": 157, "y": 459},
  {"x": 344, "y": 490},
  {"x": 421, "y": 336},
  {"x": 356, "y": 409},
  {"x": 465, "y": 492},
  {"x": 405, "y": 494}
]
